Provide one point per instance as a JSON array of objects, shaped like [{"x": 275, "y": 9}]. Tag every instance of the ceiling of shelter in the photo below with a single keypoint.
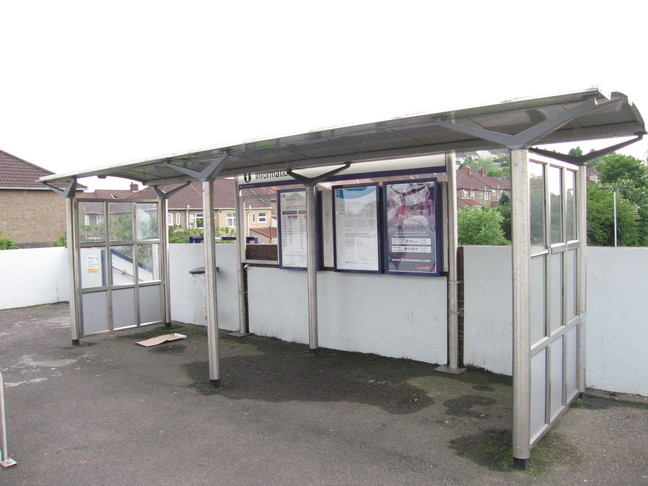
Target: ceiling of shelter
[{"x": 611, "y": 116}]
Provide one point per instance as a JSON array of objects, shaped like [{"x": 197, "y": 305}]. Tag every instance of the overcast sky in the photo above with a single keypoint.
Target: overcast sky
[{"x": 90, "y": 83}]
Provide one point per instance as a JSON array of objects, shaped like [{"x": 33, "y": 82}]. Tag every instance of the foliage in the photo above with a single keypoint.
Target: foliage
[
  {"x": 600, "y": 218},
  {"x": 178, "y": 235},
  {"x": 7, "y": 243},
  {"x": 504, "y": 208},
  {"x": 616, "y": 167},
  {"x": 61, "y": 241},
  {"x": 469, "y": 162},
  {"x": 480, "y": 226}
]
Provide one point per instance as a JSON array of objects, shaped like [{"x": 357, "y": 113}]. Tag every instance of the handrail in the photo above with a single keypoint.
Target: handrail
[{"x": 5, "y": 460}]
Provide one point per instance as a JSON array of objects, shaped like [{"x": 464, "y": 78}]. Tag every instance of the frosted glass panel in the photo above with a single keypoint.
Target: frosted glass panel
[
  {"x": 92, "y": 267},
  {"x": 556, "y": 376},
  {"x": 555, "y": 198},
  {"x": 150, "y": 300},
  {"x": 571, "y": 371},
  {"x": 556, "y": 302},
  {"x": 537, "y": 300},
  {"x": 538, "y": 392},
  {"x": 123, "y": 308},
  {"x": 95, "y": 312}
]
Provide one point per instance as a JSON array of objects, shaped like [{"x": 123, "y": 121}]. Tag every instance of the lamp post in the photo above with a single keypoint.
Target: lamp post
[{"x": 614, "y": 191}]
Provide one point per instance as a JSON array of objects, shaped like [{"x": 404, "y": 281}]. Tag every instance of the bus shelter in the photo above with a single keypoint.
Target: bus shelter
[{"x": 548, "y": 227}]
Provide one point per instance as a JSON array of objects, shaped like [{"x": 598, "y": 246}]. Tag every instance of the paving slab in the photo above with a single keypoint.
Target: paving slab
[{"x": 109, "y": 412}]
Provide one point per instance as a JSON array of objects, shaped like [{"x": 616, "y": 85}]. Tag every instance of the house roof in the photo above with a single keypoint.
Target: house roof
[
  {"x": 16, "y": 173},
  {"x": 267, "y": 232},
  {"x": 583, "y": 115}
]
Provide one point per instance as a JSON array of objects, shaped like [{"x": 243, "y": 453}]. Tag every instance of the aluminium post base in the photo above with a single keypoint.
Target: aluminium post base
[
  {"x": 521, "y": 464},
  {"x": 450, "y": 370},
  {"x": 239, "y": 334},
  {"x": 8, "y": 462},
  {"x": 215, "y": 383}
]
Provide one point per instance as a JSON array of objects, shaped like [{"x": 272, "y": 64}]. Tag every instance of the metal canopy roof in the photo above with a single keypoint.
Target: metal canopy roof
[{"x": 609, "y": 116}]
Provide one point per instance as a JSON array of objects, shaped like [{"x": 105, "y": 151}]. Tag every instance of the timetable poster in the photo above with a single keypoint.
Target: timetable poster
[
  {"x": 292, "y": 229},
  {"x": 411, "y": 228},
  {"x": 356, "y": 228}
]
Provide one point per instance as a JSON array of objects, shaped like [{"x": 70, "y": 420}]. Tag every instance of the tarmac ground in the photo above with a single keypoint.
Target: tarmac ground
[{"x": 109, "y": 412}]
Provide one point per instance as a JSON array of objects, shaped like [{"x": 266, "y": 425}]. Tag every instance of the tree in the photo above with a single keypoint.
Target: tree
[
  {"x": 480, "y": 226},
  {"x": 600, "y": 218},
  {"x": 504, "y": 208},
  {"x": 469, "y": 162},
  {"x": 616, "y": 167}
]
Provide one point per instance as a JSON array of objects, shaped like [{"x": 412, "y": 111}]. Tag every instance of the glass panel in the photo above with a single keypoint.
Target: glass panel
[
  {"x": 147, "y": 221},
  {"x": 95, "y": 312},
  {"x": 121, "y": 258},
  {"x": 92, "y": 267},
  {"x": 91, "y": 222},
  {"x": 148, "y": 262},
  {"x": 538, "y": 391},
  {"x": 555, "y": 291},
  {"x": 570, "y": 197},
  {"x": 150, "y": 300},
  {"x": 556, "y": 354},
  {"x": 570, "y": 372},
  {"x": 123, "y": 308},
  {"x": 537, "y": 302},
  {"x": 571, "y": 285},
  {"x": 555, "y": 198},
  {"x": 537, "y": 193},
  {"x": 120, "y": 216}
]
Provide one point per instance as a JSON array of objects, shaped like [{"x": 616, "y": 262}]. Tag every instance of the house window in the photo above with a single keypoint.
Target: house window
[
  {"x": 169, "y": 219},
  {"x": 196, "y": 220},
  {"x": 487, "y": 196},
  {"x": 263, "y": 218},
  {"x": 465, "y": 193},
  {"x": 254, "y": 217},
  {"x": 472, "y": 194},
  {"x": 177, "y": 219},
  {"x": 230, "y": 220}
]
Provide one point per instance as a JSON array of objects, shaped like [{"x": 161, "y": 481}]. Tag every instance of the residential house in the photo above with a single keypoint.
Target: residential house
[{"x": 31, "y": 214}]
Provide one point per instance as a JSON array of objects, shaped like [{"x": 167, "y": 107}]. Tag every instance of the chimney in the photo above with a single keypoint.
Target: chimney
[
  {"x": 467, "y": 170},
  {"x": 134, "y": 187},
  {"x": 482, "y": 172}
]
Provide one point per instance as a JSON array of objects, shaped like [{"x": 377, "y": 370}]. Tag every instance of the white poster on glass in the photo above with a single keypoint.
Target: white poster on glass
[{"x": 292, "y": 229}]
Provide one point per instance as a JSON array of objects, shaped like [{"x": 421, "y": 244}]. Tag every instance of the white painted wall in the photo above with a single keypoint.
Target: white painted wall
[
  {"x": 617, "y": 315},
  {"x": 389, "y": 315},
  {"x": 188, "y": 292},
  {"x": 33, "y": 276}
]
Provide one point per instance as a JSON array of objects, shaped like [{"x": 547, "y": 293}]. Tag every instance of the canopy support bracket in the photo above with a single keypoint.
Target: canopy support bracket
[
  {"x": 583, "y": 159},
  {"x": 527, "y": 137},
  {"x": 320, "y": 178},
  {"x": 209, "y": 173},
  {"x": 165, "y": 195},
  {"x": 67, "y": 192}
]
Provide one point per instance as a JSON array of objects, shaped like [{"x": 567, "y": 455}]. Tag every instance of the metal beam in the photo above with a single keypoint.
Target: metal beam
[
  {"x": 210, "y": 283},
  {"x": 241, "y": 267},
  {"x": 581, "y": 194},
  {"x": 583, "y": 159},
  {"x": 208, "y": 173},
  {"x": 521, "y": 231},
  {"x": 67, "y": 192},
  {"x": 165, "y": 195}
]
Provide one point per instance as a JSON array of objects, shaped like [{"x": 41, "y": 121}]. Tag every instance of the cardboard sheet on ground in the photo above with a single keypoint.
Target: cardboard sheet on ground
[{"x": 165, "y": 338}]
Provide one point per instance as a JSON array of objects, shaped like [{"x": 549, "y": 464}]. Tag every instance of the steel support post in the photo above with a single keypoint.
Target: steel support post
[
  {"x": 164, "y": 243},
  {"x": 210, "y": 282},
  {"x": 73, "y": 283},
  {"x": 5, "y": 460},
  {"x": 453, "y": 283},
  {"x": 241, "y": 267},
  {"x": 521, "y": 230},
  {"x": 311, "y": 248},
  {"x": 581, "y": 191}
]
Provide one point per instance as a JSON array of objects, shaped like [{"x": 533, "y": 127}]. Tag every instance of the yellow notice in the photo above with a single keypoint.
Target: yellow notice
[{"x": 92, "y": 264}]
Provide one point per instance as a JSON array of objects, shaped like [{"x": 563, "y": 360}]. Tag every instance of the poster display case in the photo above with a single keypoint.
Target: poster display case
[
  {"x": 411, "y": 227},
  {"x": 291, "y": 206},
  {"x": 356, "y": 228}
]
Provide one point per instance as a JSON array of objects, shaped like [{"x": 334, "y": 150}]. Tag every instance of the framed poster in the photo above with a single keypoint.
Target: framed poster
[
  {"x": 412, "y": 229},
  {"x": 293, "y": 227},
  {"x": 356, "y": 244}
]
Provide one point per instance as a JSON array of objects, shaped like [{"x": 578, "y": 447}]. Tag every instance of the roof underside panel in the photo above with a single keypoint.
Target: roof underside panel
[{"x": 613, "y": 116}]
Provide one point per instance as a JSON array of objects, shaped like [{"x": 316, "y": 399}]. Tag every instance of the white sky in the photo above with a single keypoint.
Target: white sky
[{"x": 91, "y": 83}]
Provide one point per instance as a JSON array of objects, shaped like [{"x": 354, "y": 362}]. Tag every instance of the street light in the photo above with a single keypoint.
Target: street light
[{"x": 614, "y": 190}]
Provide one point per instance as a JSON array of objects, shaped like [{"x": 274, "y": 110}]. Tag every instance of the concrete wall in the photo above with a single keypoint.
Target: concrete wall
[
  {"x": 390, "y": 315},
  {"x": 188, "y": 291},
  {"x": 617, "y": 309},
  {"x": 32, "y": 277}
]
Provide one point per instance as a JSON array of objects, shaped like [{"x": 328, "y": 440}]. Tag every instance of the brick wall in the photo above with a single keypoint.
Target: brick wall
[{"x": 32, "y": 217}]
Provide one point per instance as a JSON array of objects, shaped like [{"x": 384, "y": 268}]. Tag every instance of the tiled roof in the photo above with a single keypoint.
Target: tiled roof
[{"x": 18, "y": 173}]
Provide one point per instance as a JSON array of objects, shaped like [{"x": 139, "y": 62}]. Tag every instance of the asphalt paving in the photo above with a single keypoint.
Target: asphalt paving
[{"x": 110, "y": 412}]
